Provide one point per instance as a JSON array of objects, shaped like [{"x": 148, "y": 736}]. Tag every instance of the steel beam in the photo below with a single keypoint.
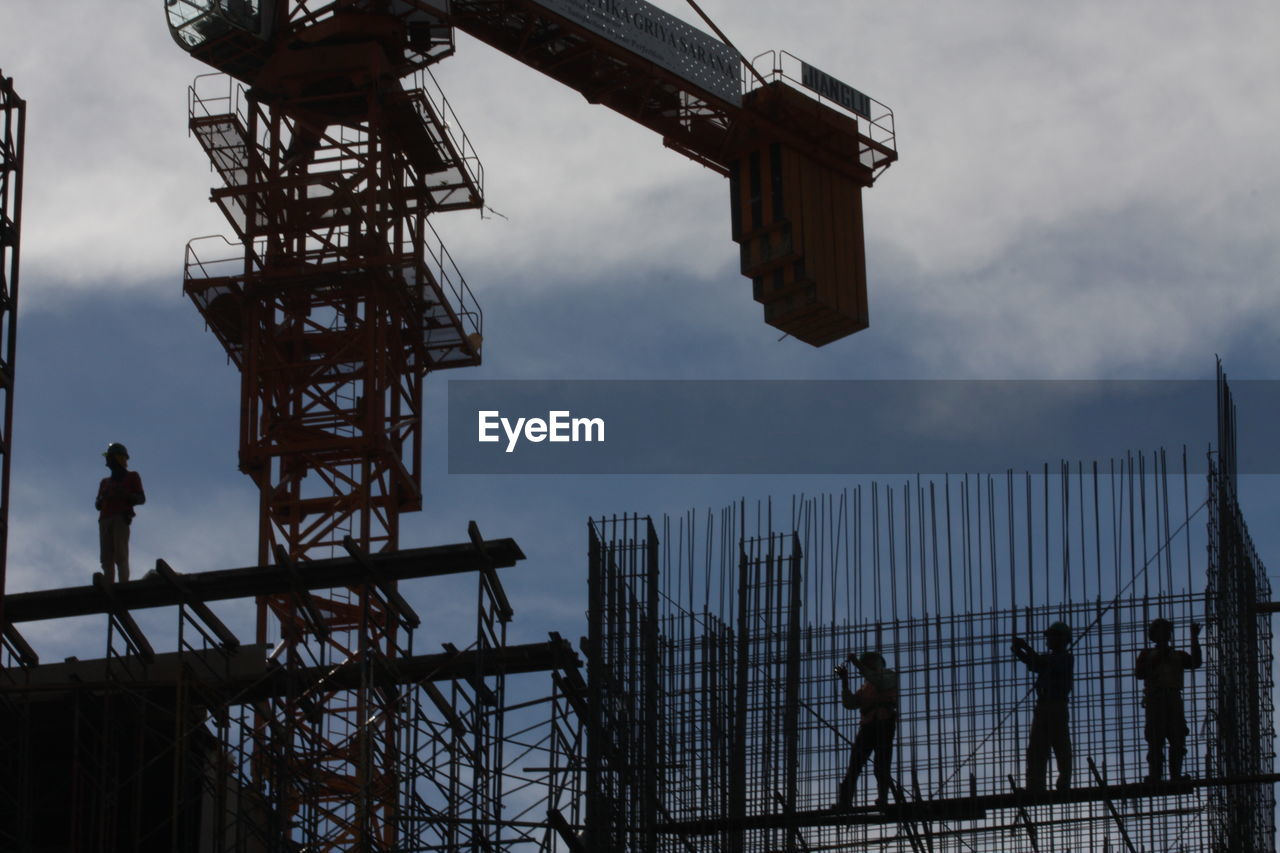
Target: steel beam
[
  {"x": 249, "y": 678},
  {"x": 254, "y": 581},
  {"x": 960, "y": 808}
]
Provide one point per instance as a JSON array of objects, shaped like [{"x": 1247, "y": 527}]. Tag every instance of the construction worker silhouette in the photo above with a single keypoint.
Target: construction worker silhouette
[
  {"x": 877, "y": 699},
  {"x": 1050, "y": 722},
  {"x": 1162, "y": 669},
  {"x": 118, "y": 494}
]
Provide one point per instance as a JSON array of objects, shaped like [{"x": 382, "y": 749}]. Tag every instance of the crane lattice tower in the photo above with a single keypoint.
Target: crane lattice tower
[{"x": 335, "y": 300}]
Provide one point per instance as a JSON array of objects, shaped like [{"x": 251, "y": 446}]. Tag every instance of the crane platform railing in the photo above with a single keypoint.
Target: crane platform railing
[
  {"x": 448, "y": 317},
  {"x": 454, "y": 323},
  {"x": 438, "y": 116},
  {"x": 431, "y": 139},
  {"x": 217, "y": 94},
  {"x": 875, "y": 119}
]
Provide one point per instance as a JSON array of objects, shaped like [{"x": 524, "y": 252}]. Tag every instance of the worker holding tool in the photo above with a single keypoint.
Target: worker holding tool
[
  {"x": 1050, "y": 722},
  {"x": 118, "y": 494},
  {"x": 1162, "y": 670},
  {"x": 877, "y": 699}
]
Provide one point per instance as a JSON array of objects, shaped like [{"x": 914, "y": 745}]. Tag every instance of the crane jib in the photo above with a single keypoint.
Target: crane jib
[{"x": 663, "y": 39}]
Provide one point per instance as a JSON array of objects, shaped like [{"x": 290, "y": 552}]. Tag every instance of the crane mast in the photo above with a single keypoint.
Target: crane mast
[{"x": 334, "y": 300}]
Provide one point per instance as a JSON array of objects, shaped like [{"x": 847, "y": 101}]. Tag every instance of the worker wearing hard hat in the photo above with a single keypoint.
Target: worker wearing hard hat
[
  {"x": 877, "y": 699},
  {"x": 1050, "y": 722},
  {"x": 1162, "y": 669},
  {"x": 118, "y": 494}
]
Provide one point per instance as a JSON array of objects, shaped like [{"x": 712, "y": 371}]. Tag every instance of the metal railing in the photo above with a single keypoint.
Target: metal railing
[
  {"x": 440, "y": 266},
  {"x": 217, "y": 94},
  {"x": 429, "y": 101},
  {"x": 206, "y": 258},
  {"x": 877, "y": 126}
]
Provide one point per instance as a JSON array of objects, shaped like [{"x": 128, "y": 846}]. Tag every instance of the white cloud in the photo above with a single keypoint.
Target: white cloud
[
  {"x": 1085, "y": 190},
  {"x": 1012, "y": 120},
  {"x": 113, "y": 186}
]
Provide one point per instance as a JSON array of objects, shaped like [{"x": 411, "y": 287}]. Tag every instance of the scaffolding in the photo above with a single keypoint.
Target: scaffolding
[
  {"x": 715, "y": 720},
  {"x": 142, "y": 750}
]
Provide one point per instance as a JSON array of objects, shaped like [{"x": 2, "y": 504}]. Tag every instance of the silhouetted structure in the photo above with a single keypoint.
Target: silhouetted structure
[
  {"x": 148, "y": 751},
  {"x": 12, "y": 124},
  {"x": 333, "y": 147},
  {"x": 713, "y": 725}
]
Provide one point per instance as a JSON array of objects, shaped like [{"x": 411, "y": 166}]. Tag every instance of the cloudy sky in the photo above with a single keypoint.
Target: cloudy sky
[{"x": 1085, "y": 191}]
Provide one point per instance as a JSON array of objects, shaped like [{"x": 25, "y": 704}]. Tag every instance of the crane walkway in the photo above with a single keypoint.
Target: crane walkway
[{"x": 674, "y": 80}]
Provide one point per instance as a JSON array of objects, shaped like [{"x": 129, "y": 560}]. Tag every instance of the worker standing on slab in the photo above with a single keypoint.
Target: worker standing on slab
[
  {"x": 1050, "y": 722},
  {"x": 118, "y": 494},
  {"x": 1162, "y": 670},
  {"x": 877, "y": 699}
]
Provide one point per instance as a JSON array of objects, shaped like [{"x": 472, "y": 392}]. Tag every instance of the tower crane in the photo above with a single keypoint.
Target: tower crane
[
  {"x": 334, "y": 145},
  {"x": 797, "y": 144}
]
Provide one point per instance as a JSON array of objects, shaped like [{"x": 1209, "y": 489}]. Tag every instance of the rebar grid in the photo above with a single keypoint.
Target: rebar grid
[
  {"x": 1242, "y": 684},
  {"x": 716, "y": 720}
]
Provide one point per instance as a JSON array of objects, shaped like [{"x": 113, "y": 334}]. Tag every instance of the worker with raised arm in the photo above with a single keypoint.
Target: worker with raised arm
[
  {"x": 1050, "y": 722},
  {"x": 1162, "y": 669},
  {"x": 118, "y": 494},
  {"x": 877, "y": 699}
]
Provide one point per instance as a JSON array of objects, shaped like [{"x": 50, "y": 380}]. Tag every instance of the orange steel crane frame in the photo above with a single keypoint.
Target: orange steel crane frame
[
  {"x": 335, "y": 299},
  {"x": 334, "y": 302}
]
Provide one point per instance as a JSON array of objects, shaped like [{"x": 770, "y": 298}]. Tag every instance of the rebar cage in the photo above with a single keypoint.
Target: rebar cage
[{"x": 715, "y": 719}]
